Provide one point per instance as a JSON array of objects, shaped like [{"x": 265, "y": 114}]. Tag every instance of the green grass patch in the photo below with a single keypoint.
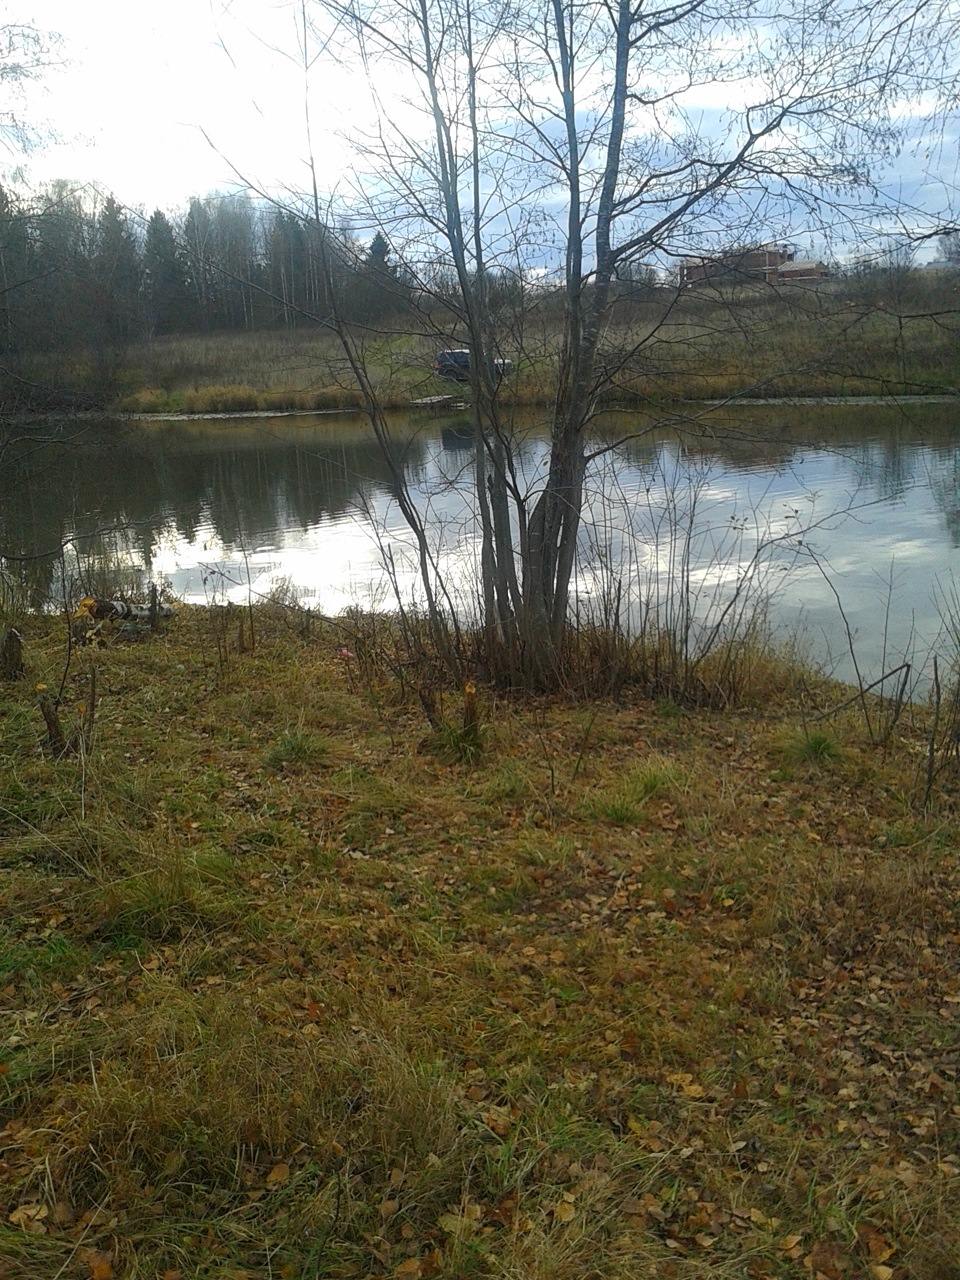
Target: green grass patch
[
  {"x": 298, "y": 749},
  {"x": 624, "y": 802},
  {"x": 812, "y": 747}
]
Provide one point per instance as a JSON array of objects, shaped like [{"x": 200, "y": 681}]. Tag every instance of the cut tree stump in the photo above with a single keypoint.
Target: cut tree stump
[
  {"x": 11, "y": 655},
  {"x": 55, "y": 737}
]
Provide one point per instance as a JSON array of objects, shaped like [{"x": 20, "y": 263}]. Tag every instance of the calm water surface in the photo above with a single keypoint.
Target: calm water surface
[{"x": 806, "y": 503}]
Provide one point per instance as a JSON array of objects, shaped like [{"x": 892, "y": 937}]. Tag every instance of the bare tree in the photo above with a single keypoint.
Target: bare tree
[
  {"x": 582, "y": 139},
  {"x": 26, "y": 53}
]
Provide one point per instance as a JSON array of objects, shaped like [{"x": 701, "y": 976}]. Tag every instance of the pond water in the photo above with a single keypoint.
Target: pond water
[{"x": 846, "y": 518}]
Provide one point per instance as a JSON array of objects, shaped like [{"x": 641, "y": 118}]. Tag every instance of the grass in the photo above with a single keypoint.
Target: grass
[
  {"x": 812, "y": 746},
  {"x": 298, "y": 749},
  {"x": 291, "y": 987},
  {"x": 843, "y": 338},
  {"x": 624, "y": 802}
]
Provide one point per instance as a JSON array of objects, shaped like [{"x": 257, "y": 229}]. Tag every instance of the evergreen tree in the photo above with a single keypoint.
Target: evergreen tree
[
  {"x": 164, "y": 278},
  {"x": 64, "y": 238},
  {"x": 116, "y": 274},
  {"x": 378, "y": 291},
  {"x": 18, "y": 270},
  {"x": 378, "y": 253},
  {"x": 287, "y": 267}
]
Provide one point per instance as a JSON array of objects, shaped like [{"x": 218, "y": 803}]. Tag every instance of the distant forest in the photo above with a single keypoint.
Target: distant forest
[
  {"x": 87, "y": 285},
  {"x": 77, "y": 272}
]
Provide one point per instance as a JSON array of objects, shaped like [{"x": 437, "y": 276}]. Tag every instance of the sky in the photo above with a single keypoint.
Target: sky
[{"x": 142, "y": 84}]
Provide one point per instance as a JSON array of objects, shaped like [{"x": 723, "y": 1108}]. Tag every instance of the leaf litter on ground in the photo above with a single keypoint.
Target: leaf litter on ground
[{"x": 392, "y": 1015}]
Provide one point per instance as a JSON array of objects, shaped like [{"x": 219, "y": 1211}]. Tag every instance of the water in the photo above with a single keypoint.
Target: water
[{"x": 846, "y": 517}]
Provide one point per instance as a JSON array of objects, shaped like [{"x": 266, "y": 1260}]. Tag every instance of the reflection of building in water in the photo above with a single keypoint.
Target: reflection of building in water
[{"x": 773, "y": 263}]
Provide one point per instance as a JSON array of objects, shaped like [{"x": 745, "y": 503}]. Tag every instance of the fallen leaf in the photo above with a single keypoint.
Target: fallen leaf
[
  {"x": 684, "y": 1081},
  {"x": 827, "y": 1258},
  {"x": 63, "y": 1214},
  {"x": 499, "y": 1124},
  {"x": 431, "y": 1264},
  {"x": 877, "y": 1244},
  {"x": 278, "y": 1175},
  {"x": 29, "y": 1217}
]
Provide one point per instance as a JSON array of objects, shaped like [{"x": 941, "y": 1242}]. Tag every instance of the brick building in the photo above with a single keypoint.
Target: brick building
[{"x": 772, "y": 263}]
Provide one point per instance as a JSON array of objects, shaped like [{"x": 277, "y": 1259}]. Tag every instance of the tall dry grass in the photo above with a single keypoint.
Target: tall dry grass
[{"x": 877, "y": 335}]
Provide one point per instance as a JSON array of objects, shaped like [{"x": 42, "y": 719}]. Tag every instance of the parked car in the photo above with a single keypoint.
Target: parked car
[{"x": 455, "y": 365}]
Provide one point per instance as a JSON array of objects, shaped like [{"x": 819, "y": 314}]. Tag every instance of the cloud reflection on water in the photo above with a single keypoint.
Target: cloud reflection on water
[{"x": 873, "y": 504}]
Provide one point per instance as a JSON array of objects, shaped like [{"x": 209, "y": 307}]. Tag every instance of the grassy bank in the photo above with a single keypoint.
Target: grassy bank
[
  {"x": 293, "y": 987},
  {"x": 705, "y": 345},
  {"x": 845, "y": 337}
]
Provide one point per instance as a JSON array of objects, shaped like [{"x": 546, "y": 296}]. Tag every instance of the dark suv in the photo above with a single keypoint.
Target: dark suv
[{"x": 456, "y": 365}]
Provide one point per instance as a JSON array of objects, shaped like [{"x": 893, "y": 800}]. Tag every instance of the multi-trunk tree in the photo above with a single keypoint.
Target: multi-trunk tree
[{"x": 574, "y": 141}]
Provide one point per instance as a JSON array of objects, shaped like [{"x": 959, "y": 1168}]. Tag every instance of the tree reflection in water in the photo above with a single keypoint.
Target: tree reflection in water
[{"x": 179, "y": 495}]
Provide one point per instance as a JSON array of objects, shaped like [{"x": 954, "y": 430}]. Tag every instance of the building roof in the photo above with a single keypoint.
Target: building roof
[{"x": 803, "y": 264}]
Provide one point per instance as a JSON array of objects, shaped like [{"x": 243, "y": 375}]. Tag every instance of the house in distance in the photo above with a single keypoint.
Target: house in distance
[{"x": 771, "y": 263}]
